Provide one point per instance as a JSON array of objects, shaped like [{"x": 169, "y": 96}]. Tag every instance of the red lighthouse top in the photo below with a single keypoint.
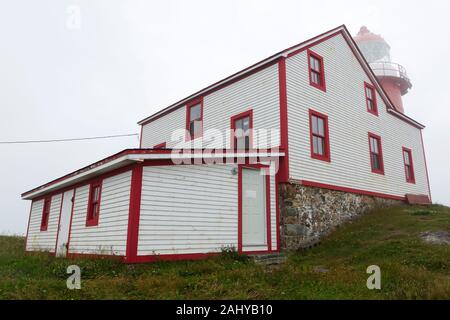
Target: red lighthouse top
[{"x": 365, "y": 34}]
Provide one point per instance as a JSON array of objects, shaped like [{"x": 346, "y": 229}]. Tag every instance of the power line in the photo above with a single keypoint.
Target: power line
[{"x": 70, "y": 139}]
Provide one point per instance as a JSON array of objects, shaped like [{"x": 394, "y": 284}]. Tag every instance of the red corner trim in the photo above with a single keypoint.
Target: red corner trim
[
  {"x": 71, "y": 219},
  {"x": 284, "y": 133},
  {"x": 134, "y": 213},
  {"x": 59, "y": 221},
  {"x": 426, "y": 167}
]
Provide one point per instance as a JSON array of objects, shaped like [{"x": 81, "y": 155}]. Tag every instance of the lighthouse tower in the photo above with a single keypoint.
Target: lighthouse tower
[{"x": 391, "y": 75}]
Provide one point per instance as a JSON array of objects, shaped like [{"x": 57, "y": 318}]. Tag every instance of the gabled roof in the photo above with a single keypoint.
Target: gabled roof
[{"x": 284, "y": 54}]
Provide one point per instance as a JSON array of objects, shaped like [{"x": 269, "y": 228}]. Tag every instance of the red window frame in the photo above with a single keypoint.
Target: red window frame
[
  {"x": 233, "y": 140},
  {"x": 91, "y": 216},
  {"x": 325, "y": 136},
  {"x": 380, "y": 153},
  {"x": 190, "y": 105},
  {"x": 46, "y": 213},
  {"x": 161, "y": 145},
  {"x": 409, "y": 168},
  {"x": 371, "y": 88},
  {"x": 320, "y": 72}
]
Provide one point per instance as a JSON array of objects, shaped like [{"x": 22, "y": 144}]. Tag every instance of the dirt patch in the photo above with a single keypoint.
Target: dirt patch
[{"x": 436, "y": 237}]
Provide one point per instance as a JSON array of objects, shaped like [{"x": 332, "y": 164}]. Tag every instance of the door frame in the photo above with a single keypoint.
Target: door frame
[
  {"x": 72, "y": 200},
  {"x": 268, "y": 209}
]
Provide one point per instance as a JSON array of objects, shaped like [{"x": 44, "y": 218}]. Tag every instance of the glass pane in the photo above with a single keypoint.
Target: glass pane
[
  {"x": 240, "y": 143},
  {"x": 408, "y": 172},
  {"x": 195, "y": 112},
  {"x": 314, "y": 123},
  {"x": 406, "y": 155},
  {"x": 94, "y": 210},
  {"x": 246, "y": 123},
  {"x": 370, "y": 104},
  {"x": 315, "y": 65},
  {"x": 315, "y": 77},
  {"x": 321, "y": 122},
  {"x": 315, "y": 145},
  {"x": 238, "y": 124},
  {"x": 374, "y": 145},
  {"x": 369, "y": 93},
  {"x": 376, "y": 161}
]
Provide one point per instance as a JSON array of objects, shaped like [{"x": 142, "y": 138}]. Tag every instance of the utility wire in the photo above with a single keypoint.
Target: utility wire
[{"x": 71, "y": 139}]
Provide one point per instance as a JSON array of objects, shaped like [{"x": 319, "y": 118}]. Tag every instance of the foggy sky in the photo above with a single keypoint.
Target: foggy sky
[{"x": 131, "y": 58}]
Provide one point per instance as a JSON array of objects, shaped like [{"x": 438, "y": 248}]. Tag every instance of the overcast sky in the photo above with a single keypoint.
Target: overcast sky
[{"x": 124, "y": 60}]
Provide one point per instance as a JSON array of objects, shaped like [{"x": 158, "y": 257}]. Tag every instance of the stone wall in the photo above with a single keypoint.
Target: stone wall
[{"x": 307, "y": 213}]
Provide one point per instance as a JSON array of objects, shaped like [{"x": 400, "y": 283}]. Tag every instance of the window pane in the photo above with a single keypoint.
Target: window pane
[
  {"x": 315, "y": 77},
  {"x": 195, "y": 112},
  {"x": 315, "y": 65},
  {"x": 406, "y": 156},
  {"x": 314, "y": 123},
  {"x": 370, "y": 104},
  {"x": 246, "y": 123},
  {"x": 321, "y": 148},
  {"x": 374, "y": 145},
  {"x": 376, "y": 161},
  {"x": 369, "y": 93},
  {"x": 408, "y": 172},
  {"x": 321, "y": 130},
  {"x": 241, "y": 143},
  {"x": 238, "y": 124}
]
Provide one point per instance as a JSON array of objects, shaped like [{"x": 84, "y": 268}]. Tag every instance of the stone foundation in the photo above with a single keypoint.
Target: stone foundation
[{"x": 307, "y": 213}]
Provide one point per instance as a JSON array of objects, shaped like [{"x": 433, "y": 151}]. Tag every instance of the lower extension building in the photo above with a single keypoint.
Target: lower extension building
[{"x": 270, "y": 158}]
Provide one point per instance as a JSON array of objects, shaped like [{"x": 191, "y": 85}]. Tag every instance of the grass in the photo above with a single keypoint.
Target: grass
[{"x": 336, "y": 269}]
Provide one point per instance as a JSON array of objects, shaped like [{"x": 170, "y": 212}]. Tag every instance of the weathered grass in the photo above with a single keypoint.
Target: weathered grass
[{"x": 411, "y": 269}]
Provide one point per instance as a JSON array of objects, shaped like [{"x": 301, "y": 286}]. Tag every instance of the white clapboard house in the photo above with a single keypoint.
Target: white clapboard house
[{"x": 209, "y": 167}]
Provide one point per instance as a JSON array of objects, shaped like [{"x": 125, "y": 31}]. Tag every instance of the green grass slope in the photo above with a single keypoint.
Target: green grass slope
[{"x": 336, "y": 269}]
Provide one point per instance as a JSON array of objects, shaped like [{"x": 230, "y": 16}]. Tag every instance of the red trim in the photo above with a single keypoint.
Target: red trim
[
  {"x": 284, "y": 132},
  {"x": 173, "y": 257},
  {"x": 161, "y": 145},
  {"x": 412, "y": 178},
  {"x": 134, "y": 213},
  {"x": 347, "y": 37},
  {"x": 71, "y": 218},
  {"x": 268, "y": 214},
  {"x": 59, "y": 221},
  {"x": 373, "y": 111},
  {"x": 380, "y": 151},
  {"x": 189, "y": 105},
  {"x": 46, "y": 209},
  {"x": 322, "y": 85},
  {"x": 28, "y": 225},
  {"x": 324, "y": 117},
  {"x": 268, "y": 225},
  {"x": 350, "y": 190},
  {"x": 140, "y": 137},
  {"x": 277, "y": 202},
  {"x": 92, "y": 217},
  {"x": 426, "y": 167},
  {"x": 94, "y": 256},
  {"x": 233, "y": 119}
]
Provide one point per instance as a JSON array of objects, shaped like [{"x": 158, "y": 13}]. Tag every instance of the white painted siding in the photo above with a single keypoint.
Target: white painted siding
[
  {"x": 110, "y": 236},
  {"x": 349, "y": 124},
  {"x": 190, "y": 209},
  {"x": 43, "y": 240},
  {"x": 259, "y": 92}
]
